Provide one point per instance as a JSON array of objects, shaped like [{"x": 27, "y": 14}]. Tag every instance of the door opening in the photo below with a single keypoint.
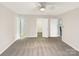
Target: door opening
[
  {"x": 39, "y": 27},
  {"x": 42, "y": 27}
]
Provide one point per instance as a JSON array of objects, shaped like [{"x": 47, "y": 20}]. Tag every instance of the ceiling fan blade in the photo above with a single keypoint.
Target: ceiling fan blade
[{"x": 42, "y": 4}]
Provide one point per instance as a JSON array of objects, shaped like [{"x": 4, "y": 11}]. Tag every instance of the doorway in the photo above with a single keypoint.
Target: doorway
[
  {"x": 42, "y": 27},
  {"x": 39, "y": 27}
]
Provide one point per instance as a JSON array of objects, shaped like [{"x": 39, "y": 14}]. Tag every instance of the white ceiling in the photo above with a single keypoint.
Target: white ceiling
[{"x": 32, "y": 8}]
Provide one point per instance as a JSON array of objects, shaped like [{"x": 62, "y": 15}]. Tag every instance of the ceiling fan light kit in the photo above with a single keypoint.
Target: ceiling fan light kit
[
  {"x": 42, "y": 9},
  {"x": 42, "y": 6}
]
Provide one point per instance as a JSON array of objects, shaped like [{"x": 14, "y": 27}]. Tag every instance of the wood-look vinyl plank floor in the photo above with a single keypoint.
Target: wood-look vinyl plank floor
[{"x": 40, "y": 47}]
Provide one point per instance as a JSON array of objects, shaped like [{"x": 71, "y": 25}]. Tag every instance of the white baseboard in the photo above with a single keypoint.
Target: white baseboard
[
  {"x": 28, "y": 37},
  {"x": 71, "y": 44},
  {"x": 55, "y": 36},
  {"x": 7, "y": 46}
]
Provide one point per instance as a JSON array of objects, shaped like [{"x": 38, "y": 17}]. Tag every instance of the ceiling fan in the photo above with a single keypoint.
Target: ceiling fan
[{"x": 43, "y": 5}]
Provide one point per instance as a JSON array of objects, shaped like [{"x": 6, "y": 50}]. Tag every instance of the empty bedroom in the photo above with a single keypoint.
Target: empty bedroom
[{"x": 39, "y": 28}]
